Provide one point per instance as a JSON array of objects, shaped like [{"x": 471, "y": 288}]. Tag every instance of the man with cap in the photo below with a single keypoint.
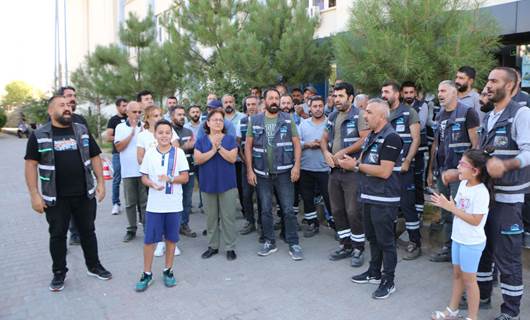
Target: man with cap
[
  {"x": 212, "y": 105},
  {"x": 303, "y": 109}
]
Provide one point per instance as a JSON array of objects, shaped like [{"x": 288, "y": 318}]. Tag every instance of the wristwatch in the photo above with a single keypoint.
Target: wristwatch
[
  {"x": 170, "y": 178},
  {"x": 356, "y": 168}
]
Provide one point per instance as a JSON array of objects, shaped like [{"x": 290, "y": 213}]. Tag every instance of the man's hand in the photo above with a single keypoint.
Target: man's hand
[
  {"x": 430, "y": 179},
  {"x": 251, "y": 178},
  {"x": 37, "y": 203},
  {"x": 348, "y": 162},
  {"x": 328, "y": 157},
  {"x": 449, "y": 176},
  {"x": 339, "y": 155},
  {"x": 405, "y": 166},
  {"x": 295, "y": 173},
  {"x": 496, "y": 167},
  {"x": 100, "y": 191},
  {"x": 316, "y": 144}
]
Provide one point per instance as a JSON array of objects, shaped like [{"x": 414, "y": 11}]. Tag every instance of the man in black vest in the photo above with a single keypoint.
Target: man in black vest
[
  {"x": 344, "y": 135},
  {"x": 456, "y": 132},
  {"x": 406, "y": 123},
  {"x": 272, "y": 156},
  {"x": 187, "y": 142},
  {"x": 380, "y": 190},
  {"x": 506, "y": 130},
  {"x": 64, "y": 157},
  {"x": 251, "y": 104}
]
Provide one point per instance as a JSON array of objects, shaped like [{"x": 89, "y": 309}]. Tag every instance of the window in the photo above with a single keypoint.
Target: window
[{"x": 324, "y": 4}]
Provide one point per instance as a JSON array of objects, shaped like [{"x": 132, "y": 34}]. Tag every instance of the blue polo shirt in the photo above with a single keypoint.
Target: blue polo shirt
[{"x": 216, "y": 175}]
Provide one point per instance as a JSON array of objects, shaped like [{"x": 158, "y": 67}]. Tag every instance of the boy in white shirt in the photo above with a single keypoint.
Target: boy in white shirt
[{"x": 164, "y": 169}]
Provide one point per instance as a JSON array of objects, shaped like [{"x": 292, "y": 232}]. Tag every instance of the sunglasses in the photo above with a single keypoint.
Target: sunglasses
[{"x": 137, "y": 112}]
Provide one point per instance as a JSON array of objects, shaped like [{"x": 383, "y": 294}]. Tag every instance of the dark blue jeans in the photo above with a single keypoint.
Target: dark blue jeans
[
  {"x": 187, "y": 193},
  {"x": 285, "y": 190},
  {"x": 116, "y": 178}
]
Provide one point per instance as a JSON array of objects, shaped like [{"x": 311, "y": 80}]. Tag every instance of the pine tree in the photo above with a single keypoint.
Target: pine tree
[
  {"x": 421, "y": 40},
  {"x": 276, "y": 44}
]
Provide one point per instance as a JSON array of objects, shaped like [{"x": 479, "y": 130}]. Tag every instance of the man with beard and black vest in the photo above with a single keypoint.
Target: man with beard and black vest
[
  {"x": 344, "y": 135},
  {"x": 406, "y": 123},
  {"x": 506, "y": 130},
  {"x": 409, "y": 94},
  {"x": 187, "y": 143},
  {"x": 64, "y": 157},
  {"x": 251, "y": 103},
  {"x": 71, "y": 99},
  {"x": 523, "y": 99},
  {"x": 455, "y": 133},
  {"x": 272, "y": 153},
  {"x": 378, "y": 165}
]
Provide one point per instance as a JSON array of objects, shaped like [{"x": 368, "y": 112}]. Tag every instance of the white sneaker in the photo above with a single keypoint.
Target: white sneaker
[
  {"x": 177, "y": 250},
  {"x": 116, "y": 209},
  {"x": 160, "y": 249}
]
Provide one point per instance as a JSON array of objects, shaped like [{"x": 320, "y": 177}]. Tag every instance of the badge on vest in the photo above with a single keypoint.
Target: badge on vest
[
  {"x": 501, "y": 139},
  {"x": 400, "y": 124},
  {"x": 373, "y": 156},
  {"x": 350, "y": 127},
  {"x": 456, "y": 132}
]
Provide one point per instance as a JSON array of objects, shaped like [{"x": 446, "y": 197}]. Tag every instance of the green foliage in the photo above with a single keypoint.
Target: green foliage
[
  {"x": 3, "y": 117},
  {"x": 424, "y": 41},
  {"x": 96, "y": 122},
  {"x": 276, "y": 44},
  {"x": 36, "y": 111},
  {"x": 17, "y": 93}
]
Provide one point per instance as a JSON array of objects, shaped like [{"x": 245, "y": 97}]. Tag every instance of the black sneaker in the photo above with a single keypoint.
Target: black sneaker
[
  {"x": 357, "y": 258},
  {"x": 248, "y": 228},
  {"x": 341, "y": 253},
  {"x": 99, "y": 272},
  {"x": 57, "y": 283},
  {"x": 129, "y": 236},
  {"x": 386, "y": 288},
  {"x": 504, "y": 316},
  {"x": 312, "y": 230},
  {"x": 367, "y": 277}
]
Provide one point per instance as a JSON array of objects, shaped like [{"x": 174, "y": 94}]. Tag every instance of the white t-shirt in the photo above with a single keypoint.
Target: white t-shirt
[
  {"x": 147, "y": 140},
  {"x": 473, "y": 200},
  {"x": 154, "y": 165},
  {"x": 128, "y": 159}
]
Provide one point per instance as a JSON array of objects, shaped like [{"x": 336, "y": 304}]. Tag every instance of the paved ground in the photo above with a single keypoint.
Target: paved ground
[{"x": 251, "y": 287}]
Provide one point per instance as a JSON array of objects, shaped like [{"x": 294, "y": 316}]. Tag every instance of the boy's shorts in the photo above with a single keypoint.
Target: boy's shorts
[
  {"x": 161, "y": 224},
  {"x": 467, "y": 256}
]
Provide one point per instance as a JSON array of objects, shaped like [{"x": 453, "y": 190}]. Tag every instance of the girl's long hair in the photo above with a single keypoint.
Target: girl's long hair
[{"x": 479, "y": 158}]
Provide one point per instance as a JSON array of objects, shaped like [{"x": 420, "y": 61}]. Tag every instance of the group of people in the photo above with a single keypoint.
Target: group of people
[{"x": 365, "y": 161}]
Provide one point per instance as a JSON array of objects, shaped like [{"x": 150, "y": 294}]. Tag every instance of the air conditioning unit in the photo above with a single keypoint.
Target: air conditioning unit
[{"x": 313, "y": 11}]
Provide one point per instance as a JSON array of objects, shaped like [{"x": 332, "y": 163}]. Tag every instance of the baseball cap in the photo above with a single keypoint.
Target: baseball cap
[
  {"x": 214, "y": 104},
  {"x": 311, "y": 89}
]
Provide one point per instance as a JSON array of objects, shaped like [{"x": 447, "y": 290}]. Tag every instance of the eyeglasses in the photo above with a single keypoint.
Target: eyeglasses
[
  {"x": 464, "y": 164},
  {"x": 216, "y": 120}
]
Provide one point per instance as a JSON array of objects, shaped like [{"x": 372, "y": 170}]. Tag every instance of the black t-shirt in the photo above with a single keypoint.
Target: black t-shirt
[
  {"x": 112, "y": 124},
  {"x": 472, "y": 121},
  {"x": 391, "y": 148},
  {"x": 69, "y": 168}
]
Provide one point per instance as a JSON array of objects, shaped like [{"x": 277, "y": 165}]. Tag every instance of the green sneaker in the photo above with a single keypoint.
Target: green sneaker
[
  {"x": 169, "y": 279},
  {"x": 144, "y": 283}
]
